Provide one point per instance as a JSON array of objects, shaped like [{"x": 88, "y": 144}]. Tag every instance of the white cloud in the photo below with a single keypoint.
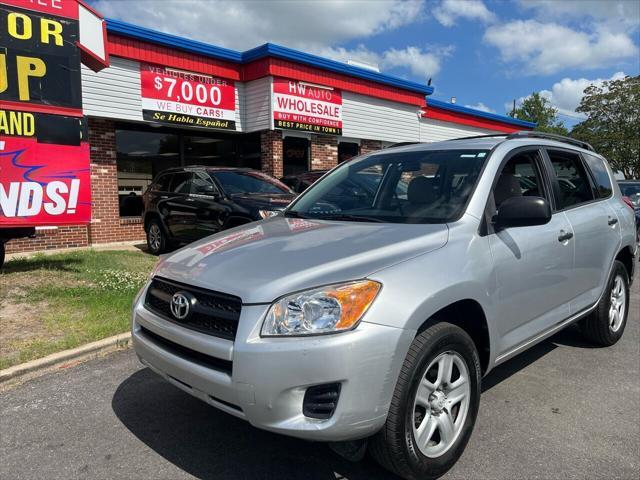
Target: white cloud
[
  {"x": 625, "y": 13},
  {"x": 420, "y": 62},
  {"x": 450, "y": 10},
  {"x": 546, "y": 48},
  {"x": 566, "y": 94},
  {"x": 482, "y": 107},
  {"x": 244, "y": 24}
]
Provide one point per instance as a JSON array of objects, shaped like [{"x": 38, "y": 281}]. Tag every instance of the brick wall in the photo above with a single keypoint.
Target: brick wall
[
  {"x": 106, "y": 225},
  {"x": 271, "y": 152},
  {"x": 324, "y": 152},
  {"x": 50, "y": 238},
  {"x": 368, "y": 146}
]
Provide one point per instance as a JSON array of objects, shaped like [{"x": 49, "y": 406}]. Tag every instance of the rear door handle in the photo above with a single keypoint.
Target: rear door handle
[
  {"x": 564, "y": 236},
  {"x": 612, "y": 221}
]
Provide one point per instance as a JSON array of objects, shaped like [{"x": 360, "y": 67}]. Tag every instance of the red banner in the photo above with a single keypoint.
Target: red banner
[
  {"x": 43, "y": 184},
  {"x": 187, "y": 98},
  {"x": 307, "y": 107}
]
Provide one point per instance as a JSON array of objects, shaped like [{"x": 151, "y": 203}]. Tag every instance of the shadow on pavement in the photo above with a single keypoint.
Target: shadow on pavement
[
  {"x": 210, "y": 444},
  {"x": 568, "y": 337}
]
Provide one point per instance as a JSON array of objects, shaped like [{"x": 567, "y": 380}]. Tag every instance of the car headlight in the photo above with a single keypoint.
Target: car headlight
[
  {"x": 330, "y": 309},
  {"x": 268, "y": 213}
]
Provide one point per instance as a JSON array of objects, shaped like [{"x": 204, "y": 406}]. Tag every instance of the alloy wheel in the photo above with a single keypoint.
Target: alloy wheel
[
  {"x": 441, "y": 404},
  {"x": 154, "y": 237},
  {"x": 617, "y": 304}
]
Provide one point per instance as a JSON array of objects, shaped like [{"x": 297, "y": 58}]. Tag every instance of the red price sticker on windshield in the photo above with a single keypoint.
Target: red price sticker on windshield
[{"x": 187, "y": 98}]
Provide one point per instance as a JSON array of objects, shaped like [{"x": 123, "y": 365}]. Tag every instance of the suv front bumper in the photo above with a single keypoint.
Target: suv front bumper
[{"x": 267, "y": 377}]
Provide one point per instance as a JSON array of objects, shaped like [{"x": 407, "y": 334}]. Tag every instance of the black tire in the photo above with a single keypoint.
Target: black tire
[
  {"x": 1, "y": 253},
  {"x": 596, "y": 327},
  {"x": 156, "y": 237},
  {"x": 394, "y": 447}
]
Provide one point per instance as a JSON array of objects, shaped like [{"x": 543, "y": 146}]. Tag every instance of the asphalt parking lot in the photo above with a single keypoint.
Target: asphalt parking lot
[{"x": 561, "y": 410}]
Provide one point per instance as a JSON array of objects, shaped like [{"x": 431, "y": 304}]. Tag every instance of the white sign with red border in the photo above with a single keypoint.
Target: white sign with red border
[
  {"x": 307, "y": 107},
  {"x": 186, "y": 98}
]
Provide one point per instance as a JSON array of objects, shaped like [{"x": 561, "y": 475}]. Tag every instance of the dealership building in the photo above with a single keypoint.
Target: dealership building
[{"x": 166, "y": 101}]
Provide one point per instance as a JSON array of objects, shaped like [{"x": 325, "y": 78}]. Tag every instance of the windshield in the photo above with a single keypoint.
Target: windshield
[
  {"x": 249, "y": 182},
  {"x": 631, "y": 190},
  {"x": 407, "y": 187}
]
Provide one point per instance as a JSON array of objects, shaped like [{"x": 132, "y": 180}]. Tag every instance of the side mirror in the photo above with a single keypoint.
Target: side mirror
[
  {"x": 208, "y": 190},
  {"x": 523, "y": 212}
]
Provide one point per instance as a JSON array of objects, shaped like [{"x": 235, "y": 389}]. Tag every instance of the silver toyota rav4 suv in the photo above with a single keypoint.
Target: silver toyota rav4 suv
[{"x": 367, "y": 313}]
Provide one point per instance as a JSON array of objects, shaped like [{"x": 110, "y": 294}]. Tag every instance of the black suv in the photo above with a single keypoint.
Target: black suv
[{"x": 188, "y": 203}]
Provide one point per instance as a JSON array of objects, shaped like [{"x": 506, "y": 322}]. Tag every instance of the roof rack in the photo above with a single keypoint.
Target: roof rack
[
  {"x": 532, "y": 134},
  {"x": 551, "y": 136}
]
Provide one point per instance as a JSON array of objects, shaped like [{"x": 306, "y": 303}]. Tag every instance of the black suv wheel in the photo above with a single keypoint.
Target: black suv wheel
[{"x": 156, "y": 238}]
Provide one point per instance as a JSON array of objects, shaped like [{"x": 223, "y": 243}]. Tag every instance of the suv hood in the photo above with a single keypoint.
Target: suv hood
[{"x": 262, "y": 261}]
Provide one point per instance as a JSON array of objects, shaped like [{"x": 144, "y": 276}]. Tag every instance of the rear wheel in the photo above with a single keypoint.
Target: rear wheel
[
  {"x": 605, "y": 325},
  {"x": 156, "y": 238},
  {"x": 1, "y": 253},
  {"x": 434, "y": 406}
]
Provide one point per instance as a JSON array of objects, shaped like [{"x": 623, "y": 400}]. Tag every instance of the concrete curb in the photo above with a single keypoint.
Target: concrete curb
[{"x": 62, "y": 359}]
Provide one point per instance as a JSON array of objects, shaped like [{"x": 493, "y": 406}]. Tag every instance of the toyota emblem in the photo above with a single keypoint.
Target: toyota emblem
[{"x": 181, "y": 305}]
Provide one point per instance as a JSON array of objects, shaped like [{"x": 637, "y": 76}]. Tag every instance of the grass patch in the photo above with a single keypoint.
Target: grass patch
[{"x": 54, "y": 302}]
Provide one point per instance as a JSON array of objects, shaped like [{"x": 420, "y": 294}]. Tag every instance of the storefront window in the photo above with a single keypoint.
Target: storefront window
[
  {"x": 143, "y": 153},
  {"x": 296, "y": 155},
  {"x": 141, "y": 156},
  {"x": 347, "y": 150}
]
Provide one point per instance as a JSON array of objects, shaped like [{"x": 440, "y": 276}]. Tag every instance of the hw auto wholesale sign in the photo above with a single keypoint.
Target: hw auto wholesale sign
[
  {"x": 307, "y": 107},
  {"x": 177, "y": 97},
  {"x": 44, "y": 164}
]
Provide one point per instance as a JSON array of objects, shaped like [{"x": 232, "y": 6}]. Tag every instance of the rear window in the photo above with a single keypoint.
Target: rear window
[
  {"x": 162, "y": 183},
  {"x": 575, "y": 187},
  {"x": 181, "y": 183},
  {"x": 600, "y": 175}
]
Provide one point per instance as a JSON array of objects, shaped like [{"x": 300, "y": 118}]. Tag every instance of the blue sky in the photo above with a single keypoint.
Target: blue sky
[{"x": 486, "y": 53}]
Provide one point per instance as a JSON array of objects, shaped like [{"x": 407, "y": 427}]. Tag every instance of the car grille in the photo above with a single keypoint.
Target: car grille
[
  {"x": 214, "y": 313},
  {"x": 188, "y": 354}
]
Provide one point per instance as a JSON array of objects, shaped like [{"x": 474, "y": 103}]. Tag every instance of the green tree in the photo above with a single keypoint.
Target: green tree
[
  {"x": 612, "y": 125},
  {"x": 538, "y": 109}
]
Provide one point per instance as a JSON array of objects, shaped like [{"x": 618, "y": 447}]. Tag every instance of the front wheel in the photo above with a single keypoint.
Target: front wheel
[{"x": 434, "y": 406}]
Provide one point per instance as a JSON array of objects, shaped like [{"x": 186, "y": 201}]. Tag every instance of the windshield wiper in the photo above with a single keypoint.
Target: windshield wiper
[{"x": 349, "y": 218}]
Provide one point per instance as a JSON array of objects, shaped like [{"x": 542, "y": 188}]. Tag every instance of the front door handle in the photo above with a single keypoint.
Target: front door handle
[
  {"x": 612, "y": 221},
  {"x": 564, "y": 236}
]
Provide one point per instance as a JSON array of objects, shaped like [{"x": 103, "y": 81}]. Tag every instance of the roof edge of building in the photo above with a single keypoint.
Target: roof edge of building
[
  {"x": 439, "y": 104},
  {"x": 263, "y": 51}
]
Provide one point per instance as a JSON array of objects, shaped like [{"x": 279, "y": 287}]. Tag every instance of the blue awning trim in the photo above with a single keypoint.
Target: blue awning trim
[{"x": 479, "y": 113}]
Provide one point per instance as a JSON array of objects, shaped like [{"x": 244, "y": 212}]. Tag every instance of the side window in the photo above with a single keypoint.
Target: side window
[
  {"x": 575, "y": 186},
  {"x": 181, "y": 182},
  {"x": 202, "y": 184},
  {"x": 520, "y": 177},
  {"x": 161, "y": 184},
  {"x": 600, "y": 175}
]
